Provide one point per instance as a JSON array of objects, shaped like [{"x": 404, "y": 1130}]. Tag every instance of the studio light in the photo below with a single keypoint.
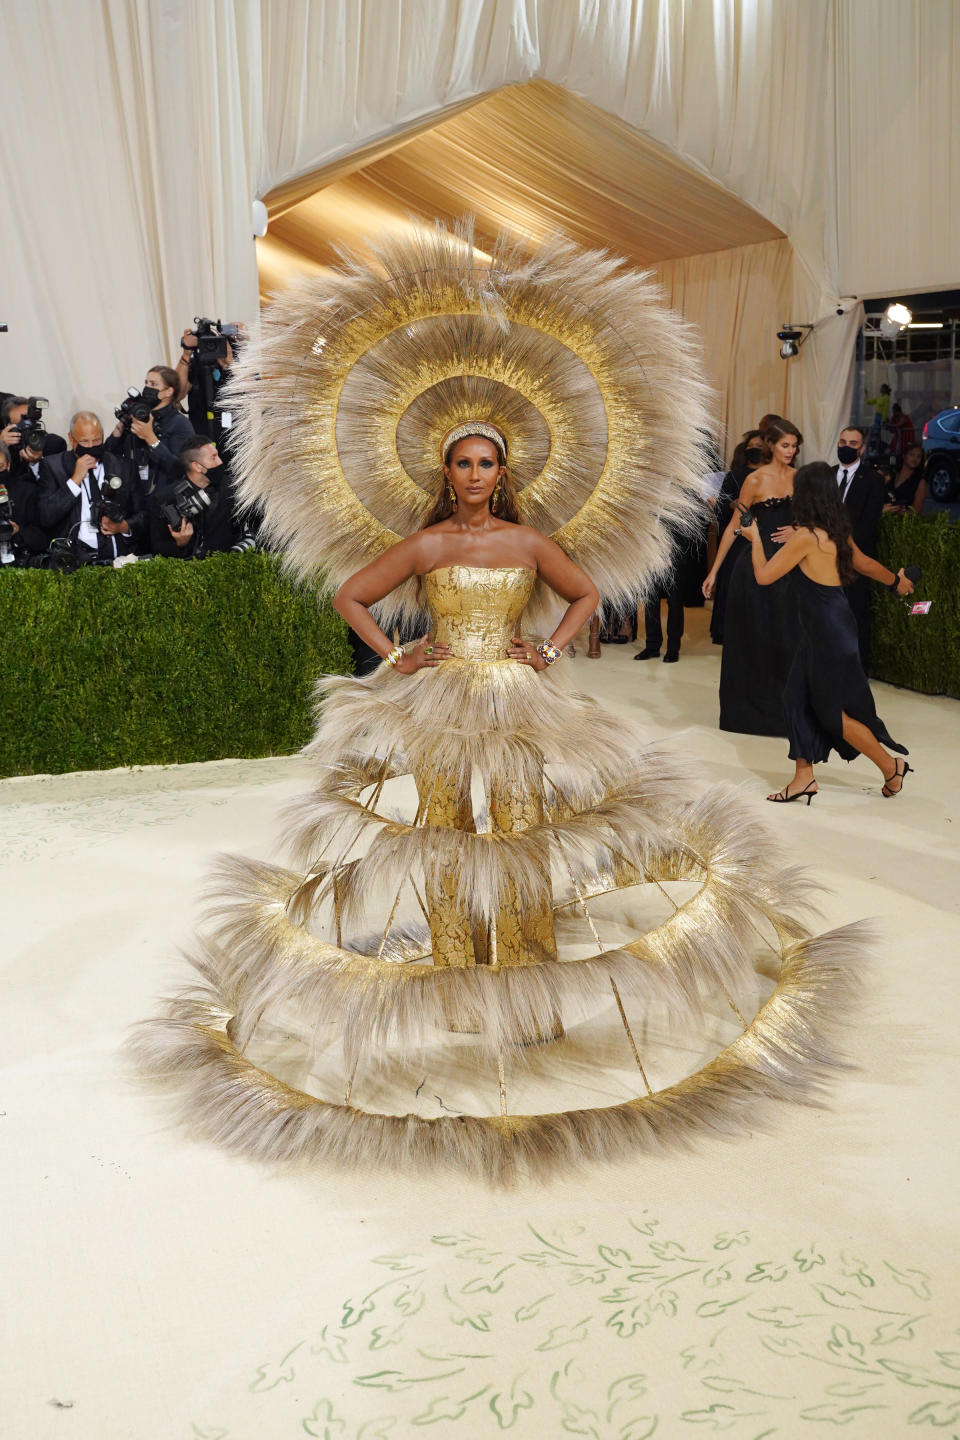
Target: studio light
[
  {"x": 894, "y": 319},
  {"x": 898, "y": 314},
  {"x": 260, "y": 219}
]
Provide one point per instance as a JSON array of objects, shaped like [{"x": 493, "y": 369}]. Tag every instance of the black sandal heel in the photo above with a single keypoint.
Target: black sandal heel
[
  {"x": 782, "y": 798},
  {"x": 908, "y": 769}
]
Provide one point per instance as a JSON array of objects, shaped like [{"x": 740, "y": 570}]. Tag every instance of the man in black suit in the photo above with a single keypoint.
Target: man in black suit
[
  {"x": 213, "y": 525},
  {"x": 84, "y": 476},
  {"x": 23, "y": 492},
  {"x": 864, "y": 494}
]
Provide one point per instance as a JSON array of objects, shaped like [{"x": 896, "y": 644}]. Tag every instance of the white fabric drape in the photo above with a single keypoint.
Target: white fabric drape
[
  {"x": 898, "y": 145},
  {"x": 738, "y": 299},
  {"x": 731, "y": 297},
  {"x": 139, "y": 131}
]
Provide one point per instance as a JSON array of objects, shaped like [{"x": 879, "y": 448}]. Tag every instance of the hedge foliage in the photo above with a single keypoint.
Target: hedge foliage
[
  {"x": 160, "y": 663},
  {"x": 921, "y": 652}
]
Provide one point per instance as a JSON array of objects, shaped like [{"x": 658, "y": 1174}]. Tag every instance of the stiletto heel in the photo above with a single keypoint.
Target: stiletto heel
[
  {"x": 908, "y": 769},
  {"x": 782, "y": 798}
]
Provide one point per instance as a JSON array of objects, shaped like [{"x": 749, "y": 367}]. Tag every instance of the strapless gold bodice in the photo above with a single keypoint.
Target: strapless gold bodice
[{"x": 476, "y": 610}]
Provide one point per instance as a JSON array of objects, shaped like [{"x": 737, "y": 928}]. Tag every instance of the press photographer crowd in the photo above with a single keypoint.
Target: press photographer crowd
[{"x": 158, "y": 484}]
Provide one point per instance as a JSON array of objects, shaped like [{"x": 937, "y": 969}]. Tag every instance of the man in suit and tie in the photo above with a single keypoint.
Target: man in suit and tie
[
  {"x": 864, "y": 494},
  {"x": 74, "y": 487}
]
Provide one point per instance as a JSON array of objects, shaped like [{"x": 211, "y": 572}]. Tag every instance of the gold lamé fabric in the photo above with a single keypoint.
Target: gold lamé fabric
[{"x": 476, "y": 611}]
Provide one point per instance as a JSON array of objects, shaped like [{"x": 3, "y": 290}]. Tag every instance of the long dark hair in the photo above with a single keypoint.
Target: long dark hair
[
  {"x": 739, "y": 461},
  {"x": 919, "y": 472},
  {"x": 505, "y": 506},
  {"x": 775, "y": 431},
  {"x": 817, "y": 506},
  {"x": 171, "y": 378}
]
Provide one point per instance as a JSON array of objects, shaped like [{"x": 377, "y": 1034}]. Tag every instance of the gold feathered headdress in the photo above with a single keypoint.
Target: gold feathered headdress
[{"x": 343, "y": 400}]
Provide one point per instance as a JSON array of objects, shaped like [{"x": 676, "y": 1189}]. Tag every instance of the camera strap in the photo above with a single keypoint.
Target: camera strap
[{"x": 107, "y": 547}]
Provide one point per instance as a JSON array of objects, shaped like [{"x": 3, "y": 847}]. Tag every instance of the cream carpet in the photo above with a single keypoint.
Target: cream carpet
[{"x": 794, "y": 1283}]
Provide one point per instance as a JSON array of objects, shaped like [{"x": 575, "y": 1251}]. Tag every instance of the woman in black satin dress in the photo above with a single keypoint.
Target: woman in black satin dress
[
  {"x": 747, "y": 457},
  {"x": 760, "y": 625},
  {"x": 827, "y": 699}
]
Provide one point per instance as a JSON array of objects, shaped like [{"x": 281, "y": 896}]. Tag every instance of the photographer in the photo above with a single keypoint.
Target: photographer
[
  {"x": 91, "y": 497},
  {"x": 23, "y": 432},
  {"x": 204, "y": 365},
  {"x": 151, "y": 428},
  {"x": 194, "y": 516},
  {"x": 20, "y": 531}
]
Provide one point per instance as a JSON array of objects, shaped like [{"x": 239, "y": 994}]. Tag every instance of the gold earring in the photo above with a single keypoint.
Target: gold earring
[
  {"x": 495, "y": 498},
  {"x": 453, "y": 497}
]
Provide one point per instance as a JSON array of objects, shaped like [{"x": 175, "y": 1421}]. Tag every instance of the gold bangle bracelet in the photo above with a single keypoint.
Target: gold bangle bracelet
[{"x": 396, "y": 654}]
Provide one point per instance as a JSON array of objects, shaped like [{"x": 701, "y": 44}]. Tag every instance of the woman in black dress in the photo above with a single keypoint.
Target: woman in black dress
[
  {"x": 760, "y": 628},
  {"x": 747, "y": 457},
  {"x": 827, "y": 698},
  {"x": 907, "y": 489}
]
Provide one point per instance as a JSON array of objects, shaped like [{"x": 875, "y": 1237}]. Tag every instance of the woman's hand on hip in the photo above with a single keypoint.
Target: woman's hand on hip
[
  {"x": 526, "y": 654},
  {"x": 425, "y": 655}
]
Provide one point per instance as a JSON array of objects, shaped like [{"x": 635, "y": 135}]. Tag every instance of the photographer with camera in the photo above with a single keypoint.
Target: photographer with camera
[
  {"x": 194, "y": 516},
  {"x": 20, "y": 531},
  {"x": 23, "y": 432},
  {"x": 151, "y": 428},
  {"x": 91, "y": 497},
  {"x": 205, "y": 360}
]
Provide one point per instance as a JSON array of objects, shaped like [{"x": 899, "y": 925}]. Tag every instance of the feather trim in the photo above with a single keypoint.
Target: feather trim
[
  {"x": 502, "y": 721},
  {"x": 268, "y": 960},
  {"x": 342, "y": 365},
  {"x": 788, "y": 1052}
]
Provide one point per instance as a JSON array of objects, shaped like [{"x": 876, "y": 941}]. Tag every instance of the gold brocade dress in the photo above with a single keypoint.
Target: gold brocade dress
[
  {"x": 464, "y": 819},
  {"x": 476, "y": 613}
]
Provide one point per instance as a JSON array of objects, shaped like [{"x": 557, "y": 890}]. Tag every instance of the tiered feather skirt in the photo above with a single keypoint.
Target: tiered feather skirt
[{"x": 496, "y": 881}]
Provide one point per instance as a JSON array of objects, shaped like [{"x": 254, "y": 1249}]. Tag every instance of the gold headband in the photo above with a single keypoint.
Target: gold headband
[{"x": 474, "y": 427}]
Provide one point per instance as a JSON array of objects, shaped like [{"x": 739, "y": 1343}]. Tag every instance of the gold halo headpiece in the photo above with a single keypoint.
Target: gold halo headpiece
[
  {"x": 473, "y": 427},
  {"x": 358, "y": 378}
]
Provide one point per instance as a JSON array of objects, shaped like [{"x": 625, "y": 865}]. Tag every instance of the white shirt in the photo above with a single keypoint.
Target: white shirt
[
  {"x": 848, "y": 470},
  {"x": 87, "y": 535}
]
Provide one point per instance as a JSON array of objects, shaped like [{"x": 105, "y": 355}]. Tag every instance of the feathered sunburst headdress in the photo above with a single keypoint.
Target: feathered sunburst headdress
[{"x": 344, "y": 399}]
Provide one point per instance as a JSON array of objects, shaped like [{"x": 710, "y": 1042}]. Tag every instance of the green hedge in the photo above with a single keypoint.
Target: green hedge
[
  {"x": 921, "y": 652},
  {"x": 160, "y": 663}
]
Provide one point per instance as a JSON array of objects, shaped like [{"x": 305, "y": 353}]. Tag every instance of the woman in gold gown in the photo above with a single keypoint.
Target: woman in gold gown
[{"x": 471, "y": 811}]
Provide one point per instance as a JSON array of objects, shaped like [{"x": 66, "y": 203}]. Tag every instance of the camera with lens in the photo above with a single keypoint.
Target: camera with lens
[
  {"x": 31, "y": 428},
  {"x": 133, "y": 407},
  {"x": 212, "y": 337},
  {"x": 108, "y": 502},
  {"x": 6, "y": 528},
  {"x": 188, "y": 502}
]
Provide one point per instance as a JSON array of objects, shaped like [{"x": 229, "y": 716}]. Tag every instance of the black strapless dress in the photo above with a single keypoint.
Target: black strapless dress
[
  {"x": 759, "y": 634},
  {"x": 827, "y": 677}
]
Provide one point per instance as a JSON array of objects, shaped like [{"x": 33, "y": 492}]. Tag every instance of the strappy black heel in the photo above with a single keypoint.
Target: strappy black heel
[
  {"x": 782, "y": 798},
  {"x": 885, "y": 790}
]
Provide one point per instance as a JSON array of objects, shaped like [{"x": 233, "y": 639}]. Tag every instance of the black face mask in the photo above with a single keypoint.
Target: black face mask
[
  {"x": 95, "y": 450},
  {"x": 846, "y": 454},
  {"x": 753, "y": 454},
  {"x": 151, "y": 396}
]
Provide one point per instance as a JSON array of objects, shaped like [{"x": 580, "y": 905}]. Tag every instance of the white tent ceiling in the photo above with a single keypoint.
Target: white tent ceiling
[{"x": 127, "y": 200}]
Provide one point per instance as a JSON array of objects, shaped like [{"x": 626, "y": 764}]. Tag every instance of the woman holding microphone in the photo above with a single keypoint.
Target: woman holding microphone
[{"x": 827, "y": 700}]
